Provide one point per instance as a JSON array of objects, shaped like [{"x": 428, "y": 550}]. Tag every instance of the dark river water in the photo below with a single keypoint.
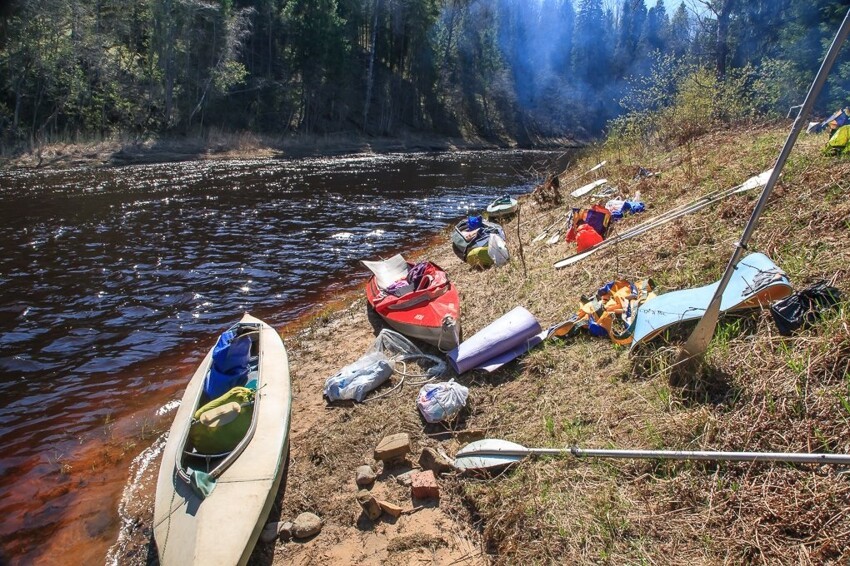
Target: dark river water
[{"x": 115, "y": 281}]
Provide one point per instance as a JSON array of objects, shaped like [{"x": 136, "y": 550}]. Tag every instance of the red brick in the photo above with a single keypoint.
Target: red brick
[{"x": 424, "y": 485}]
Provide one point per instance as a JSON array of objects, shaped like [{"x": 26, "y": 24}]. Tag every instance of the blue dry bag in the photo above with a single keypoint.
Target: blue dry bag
[{"x": 229, "y": 364}]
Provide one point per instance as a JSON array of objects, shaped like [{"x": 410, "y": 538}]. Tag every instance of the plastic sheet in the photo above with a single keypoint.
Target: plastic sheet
[
  {"x": 498, "y": 250},
  {"x": 503, "y": 340},
  {"x": 356, "y": 380}
]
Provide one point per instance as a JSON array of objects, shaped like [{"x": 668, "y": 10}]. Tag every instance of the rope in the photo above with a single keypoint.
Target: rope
[{"x": 437, "y": 370}]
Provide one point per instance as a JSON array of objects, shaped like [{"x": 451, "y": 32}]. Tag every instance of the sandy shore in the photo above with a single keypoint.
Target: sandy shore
[{"x": 328, "y": 442}]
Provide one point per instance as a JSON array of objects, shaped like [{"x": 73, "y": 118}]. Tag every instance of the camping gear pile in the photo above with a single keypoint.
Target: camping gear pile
[
  {"x": 611, "y": 311},
  {"x": 588, "y": 226},
  {"x": 479, "y": 242},
  {"x": 666, "y": 217}
]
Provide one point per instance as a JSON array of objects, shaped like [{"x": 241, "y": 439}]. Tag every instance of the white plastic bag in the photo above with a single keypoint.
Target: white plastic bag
[
  {"x": 356, "y": 380},
  {"x": 441, "y": 401},
  {"x": 497, "y": 250}
]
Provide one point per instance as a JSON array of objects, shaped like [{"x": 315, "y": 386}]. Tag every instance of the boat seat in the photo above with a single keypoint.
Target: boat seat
[{"x": 207, "y": 458}]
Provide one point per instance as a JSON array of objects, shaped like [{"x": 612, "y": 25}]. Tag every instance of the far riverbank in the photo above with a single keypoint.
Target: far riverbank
[{"x": 124, "y": 150}]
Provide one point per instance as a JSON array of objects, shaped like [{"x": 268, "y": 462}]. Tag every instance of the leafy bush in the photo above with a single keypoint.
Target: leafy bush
[{"x": 679, "y": 100}]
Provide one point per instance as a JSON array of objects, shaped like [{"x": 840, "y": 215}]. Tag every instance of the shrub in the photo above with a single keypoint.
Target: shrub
[{"x": 679, "y": 100}]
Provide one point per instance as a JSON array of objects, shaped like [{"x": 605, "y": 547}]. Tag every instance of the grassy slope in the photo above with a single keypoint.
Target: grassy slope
[{"x": 757, "y": 390}]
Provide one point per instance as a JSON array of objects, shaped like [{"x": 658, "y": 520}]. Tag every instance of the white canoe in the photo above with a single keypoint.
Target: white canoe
[
  {"x": 223, "y": 527},
  {"x": 502, "y": 206}
]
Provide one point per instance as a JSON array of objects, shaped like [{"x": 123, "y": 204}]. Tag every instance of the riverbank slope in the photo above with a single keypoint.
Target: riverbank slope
[{"x": 757, "y": 391}]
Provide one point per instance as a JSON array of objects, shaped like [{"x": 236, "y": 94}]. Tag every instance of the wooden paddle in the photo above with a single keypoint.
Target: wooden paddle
[{"x": 495, "y": 453}]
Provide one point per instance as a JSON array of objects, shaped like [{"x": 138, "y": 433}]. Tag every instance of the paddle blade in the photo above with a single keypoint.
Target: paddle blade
[
  {"x": 759, "y": 180},
  {"x": 489, "y": 453},
  {"x": 581, "y": 191},
  {"x": 574, "y": 259}
]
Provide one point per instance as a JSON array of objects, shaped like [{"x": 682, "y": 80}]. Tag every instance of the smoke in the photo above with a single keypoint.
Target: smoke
[
  {"x": 559, "y": 58},
  {"x": 536, "y": 40}
]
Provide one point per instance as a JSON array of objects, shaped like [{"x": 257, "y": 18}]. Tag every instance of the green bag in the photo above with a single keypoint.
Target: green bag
[
  {"x": 839, "y": 142},
  {"x": 479, "y": 257},
  {"x": 218, "y": 426}
]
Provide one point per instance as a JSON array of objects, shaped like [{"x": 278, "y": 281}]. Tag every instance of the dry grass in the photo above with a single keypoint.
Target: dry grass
[{"x": 755, "y": 391}]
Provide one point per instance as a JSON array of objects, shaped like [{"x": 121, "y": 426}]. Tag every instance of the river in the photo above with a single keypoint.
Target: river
[{"x": 114, "y": 282}]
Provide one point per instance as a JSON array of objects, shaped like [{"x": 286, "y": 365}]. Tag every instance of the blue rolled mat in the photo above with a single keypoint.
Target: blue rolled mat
[{"x": 503, "y": 340}]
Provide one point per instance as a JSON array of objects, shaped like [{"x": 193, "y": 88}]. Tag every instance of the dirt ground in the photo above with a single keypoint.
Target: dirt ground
[{"x": 320, "y": 476}]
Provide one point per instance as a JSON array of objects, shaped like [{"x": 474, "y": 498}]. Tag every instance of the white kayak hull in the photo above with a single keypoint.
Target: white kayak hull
[{"x": 223, "y": 527}]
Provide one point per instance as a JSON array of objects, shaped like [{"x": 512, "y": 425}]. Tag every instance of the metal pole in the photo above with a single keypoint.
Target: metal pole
[
  {"x": 698, "y": 341},
  {"x": 797, "y": 457}
]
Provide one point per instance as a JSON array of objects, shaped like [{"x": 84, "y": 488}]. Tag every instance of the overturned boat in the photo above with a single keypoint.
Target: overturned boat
[
  {"x": 417, "y": 300},
  {"x": 224, "y": 458}
]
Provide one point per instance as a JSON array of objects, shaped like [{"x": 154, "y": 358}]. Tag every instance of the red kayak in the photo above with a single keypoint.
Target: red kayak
[{"x": 417, "y": 300}]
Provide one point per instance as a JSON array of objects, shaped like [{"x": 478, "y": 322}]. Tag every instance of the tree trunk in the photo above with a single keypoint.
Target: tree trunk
[
  {"x": 370, "y": 71},
  {"x": 269, "y": 57},
  {"x": 722, "y": 39},
  {"x": 451, "y": 28},
  {"x": 18, "y": 100},
  {"x": 169, "y": 62}
]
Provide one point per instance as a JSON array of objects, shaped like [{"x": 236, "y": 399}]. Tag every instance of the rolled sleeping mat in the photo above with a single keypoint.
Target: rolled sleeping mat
[{"x": 503, "y": 340}]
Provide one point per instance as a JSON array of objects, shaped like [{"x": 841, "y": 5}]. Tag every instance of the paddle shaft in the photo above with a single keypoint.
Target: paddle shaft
[
  {"x": 553, "y": 239},
  {"x": 659, "y": 220},
  {"x": 546, "y": 230},
  {"x": 698, "y": 341},
  {"x": 797, "y": 457},
  {"x": 591, "y": 170}
]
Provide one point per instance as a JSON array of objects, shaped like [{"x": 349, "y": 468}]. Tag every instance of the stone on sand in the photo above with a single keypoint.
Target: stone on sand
[
  {"x": 306, "y": 525},
  {"x": 430, "y": 459},
  {"x": 393, "y": 447},
  {"x": 365, "y": 475}
]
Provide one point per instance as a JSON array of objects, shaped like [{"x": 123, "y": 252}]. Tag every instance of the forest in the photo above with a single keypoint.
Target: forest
[{"x": 504, "y": 70}]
